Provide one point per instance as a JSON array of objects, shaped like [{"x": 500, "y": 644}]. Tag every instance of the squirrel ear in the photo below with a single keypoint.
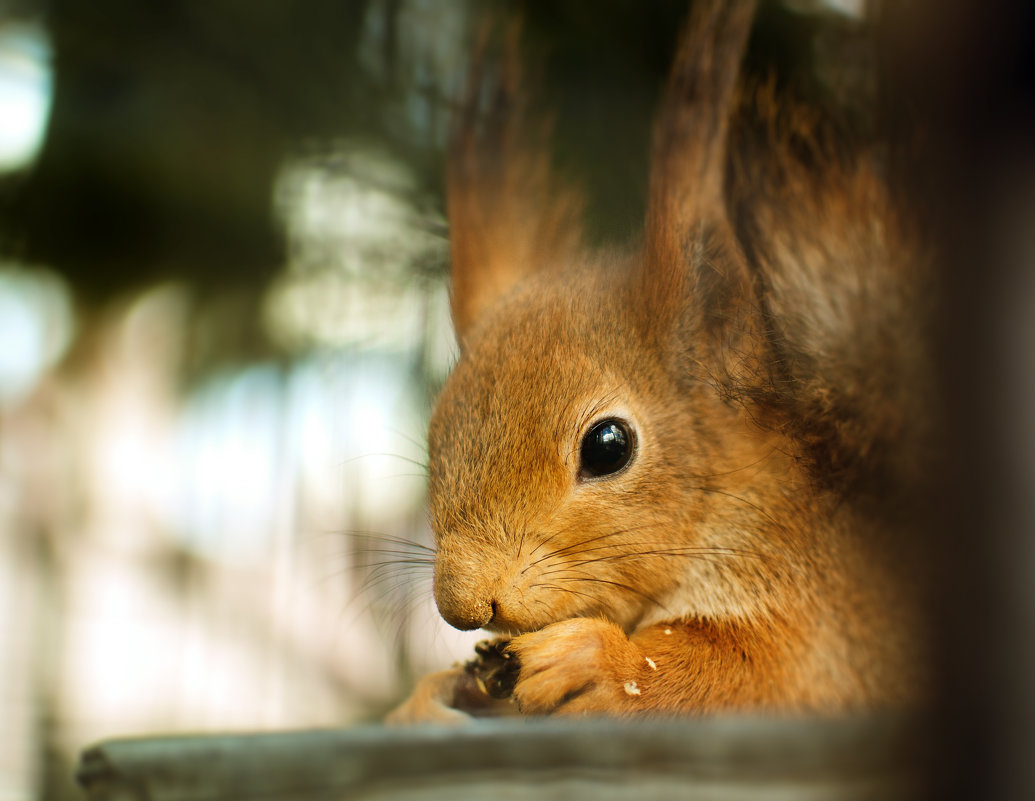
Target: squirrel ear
[
  {"x": 508, "y": 216},
  {"x": 687, "y": 225}
]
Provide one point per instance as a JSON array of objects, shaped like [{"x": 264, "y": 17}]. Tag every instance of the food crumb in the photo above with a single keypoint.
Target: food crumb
[
  {"x": 651, "y": 663},
  {"x": 631, "y": 688},
  {"x": 668, "y": 631}
]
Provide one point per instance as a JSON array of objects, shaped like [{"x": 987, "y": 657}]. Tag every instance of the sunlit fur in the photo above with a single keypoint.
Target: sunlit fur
[{"x": 764, "y": 343}]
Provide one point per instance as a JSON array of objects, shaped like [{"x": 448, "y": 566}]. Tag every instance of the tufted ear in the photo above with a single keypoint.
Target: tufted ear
[
  {"x": 690, "y": 255},
  {"x": 508, "y": 215}
]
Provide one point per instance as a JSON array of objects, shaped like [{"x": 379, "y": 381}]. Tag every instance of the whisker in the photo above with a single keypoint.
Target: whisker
[
  {"x": 735, "y": 470},
  {"x": 744, "y": 501},
  {"x": 688, "y": 551},
  {"x": 386, "y": 538},
  {"x": 565, "y": 589},
  {"x": 576, "y": 545},
  {"x": 586, "y": 550},
  {"x": 704, "y": 557},
  {"x": 544, "y": 542},
  {"x": 422, "y": 465},
  {"x": 388, "y": 602},
  {"x": 421, "y": 444},
  {"x": 410, "y": 556},
  {"x": 570, "y": 547},
  {"x": 404, "y": 575},
  {"x": 625, "y": 587}
]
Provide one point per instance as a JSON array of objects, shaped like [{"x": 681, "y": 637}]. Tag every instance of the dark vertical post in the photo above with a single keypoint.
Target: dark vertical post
[{"x": 966, "y": 70}]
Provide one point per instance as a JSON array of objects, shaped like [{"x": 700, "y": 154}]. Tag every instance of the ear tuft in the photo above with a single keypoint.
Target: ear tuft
[
  {"x": 509, "y": 217},
  {"x": 689, "y": 153},
  {"x": 691, "y": 259}
]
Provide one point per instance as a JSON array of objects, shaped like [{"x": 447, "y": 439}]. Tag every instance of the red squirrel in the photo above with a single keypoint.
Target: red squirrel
[{"x": 679, "y": 478}]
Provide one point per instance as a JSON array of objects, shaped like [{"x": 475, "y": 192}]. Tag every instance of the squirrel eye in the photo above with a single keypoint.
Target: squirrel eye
[{"x": 606, "y": 448}]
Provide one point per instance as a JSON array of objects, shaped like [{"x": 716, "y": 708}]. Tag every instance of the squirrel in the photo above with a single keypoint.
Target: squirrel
[{"x": 681, "y": 480}]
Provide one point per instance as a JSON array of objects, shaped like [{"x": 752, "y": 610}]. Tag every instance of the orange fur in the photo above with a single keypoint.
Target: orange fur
[{"x": 765, "y": 344}]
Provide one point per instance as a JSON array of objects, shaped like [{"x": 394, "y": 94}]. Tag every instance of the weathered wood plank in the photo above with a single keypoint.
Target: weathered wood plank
[{"x": 713, "y": 760}]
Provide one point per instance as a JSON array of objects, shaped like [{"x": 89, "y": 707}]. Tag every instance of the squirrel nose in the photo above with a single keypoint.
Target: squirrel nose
[
  {"x": 461, "y": 602},
  {"x": 466, "y": 615},
  {"x": 465, "y": 591}
]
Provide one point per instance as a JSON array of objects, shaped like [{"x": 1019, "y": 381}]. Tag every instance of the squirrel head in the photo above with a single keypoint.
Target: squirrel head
[
  {"x": 564, "y": 463},
  {"x": 626, "y": 429}
]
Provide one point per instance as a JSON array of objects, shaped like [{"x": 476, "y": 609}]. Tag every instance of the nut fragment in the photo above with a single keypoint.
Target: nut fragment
[
  {"x": 495, "y": 669},
  {"x": 487, "y": 681}
]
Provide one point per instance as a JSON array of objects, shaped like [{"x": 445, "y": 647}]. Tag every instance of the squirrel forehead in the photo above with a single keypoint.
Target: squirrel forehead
[
  {"x": 527, "y": 377},
  {"x": 553, "y": 319},
  {"x": 537, "y": 350}
]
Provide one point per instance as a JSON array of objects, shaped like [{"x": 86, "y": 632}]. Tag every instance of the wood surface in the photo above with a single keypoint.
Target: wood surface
[{"x": 715, "y": 760}]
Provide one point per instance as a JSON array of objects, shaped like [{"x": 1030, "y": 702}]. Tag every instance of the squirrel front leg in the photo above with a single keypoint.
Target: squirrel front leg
[{"x": 589, "y": 666}]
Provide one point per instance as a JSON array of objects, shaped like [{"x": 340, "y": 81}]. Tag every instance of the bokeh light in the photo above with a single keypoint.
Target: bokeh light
[{"x": 26, "y": 89}]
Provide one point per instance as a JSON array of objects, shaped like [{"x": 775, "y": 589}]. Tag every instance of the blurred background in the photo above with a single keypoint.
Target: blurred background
[
  {"x": 223, "y": 321},
  {"x": 223, "y": 313}
]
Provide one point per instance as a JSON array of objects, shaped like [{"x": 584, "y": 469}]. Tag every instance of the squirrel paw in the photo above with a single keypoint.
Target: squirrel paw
[
  {"x": 431, "y": 701},
  {"x": 581, "y": 666}
]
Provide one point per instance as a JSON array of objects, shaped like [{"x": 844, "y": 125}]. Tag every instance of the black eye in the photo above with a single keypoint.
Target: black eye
[{"x": 606, "y": 448}]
